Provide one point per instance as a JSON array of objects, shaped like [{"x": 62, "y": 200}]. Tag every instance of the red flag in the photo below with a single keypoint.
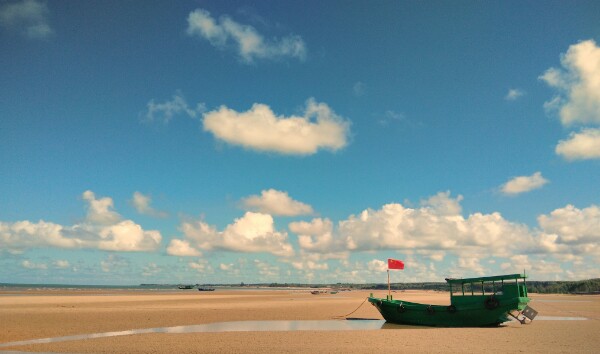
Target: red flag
[{"x": 395, "y": 264}]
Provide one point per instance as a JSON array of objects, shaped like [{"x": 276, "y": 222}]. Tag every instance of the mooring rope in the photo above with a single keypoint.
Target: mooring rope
[{"x": 346, "y": 315}]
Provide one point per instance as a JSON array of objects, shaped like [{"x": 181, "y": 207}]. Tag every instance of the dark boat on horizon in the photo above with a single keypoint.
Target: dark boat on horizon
[{"x": 206, "y": 289}]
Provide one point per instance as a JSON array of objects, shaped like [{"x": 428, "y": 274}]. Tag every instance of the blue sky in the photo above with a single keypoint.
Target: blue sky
[{"x": 222, "y": 142}]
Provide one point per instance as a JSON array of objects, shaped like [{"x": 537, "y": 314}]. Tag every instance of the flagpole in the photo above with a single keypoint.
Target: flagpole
[{"x": 389, "y": 288}]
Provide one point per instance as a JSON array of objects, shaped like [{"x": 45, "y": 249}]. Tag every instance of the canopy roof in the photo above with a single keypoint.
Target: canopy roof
[{"x": 485, "y": 279}]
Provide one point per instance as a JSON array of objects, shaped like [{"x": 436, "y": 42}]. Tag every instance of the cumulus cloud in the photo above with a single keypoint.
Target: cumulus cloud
[
  {"x": 438, "y": 227},
  {"x": 260, "y": 129},
  {"x": 433, "y": 229},
  {"x": 150, "y": 269},
  {"x": 113, "y": 262},
  {"x": 514, "y": 94},
  {"x": 377, "y": 265},
  {"x": 316, "y": 235},
  {"x": 518, "y": 263},
  {"x": 252, "y": 233},
  {"x": 103, "y": 228},
  {"x": 523, "y": 184},
  {"x": 164, "y": 112},
  {"x": 309, "y": 265},
  {"x": 202, "y": 266},
  {"x": 29, "y": 17},
  {"x": 577, "y": 83},
  {"x": 266, "y": 270},
  {"x": 572, "y": 225},
  {"x": 276, "y": 202},
  {"x": 182, "y": 248},
  {"x": 30, "y": 265},
  {"x": 142, "y": 202},
  {"x": 583, "y": 145},
  {"x": 100, "y": 211},
  {"x": 61, "y": 264},
  {"x": 224, "y": 32}
]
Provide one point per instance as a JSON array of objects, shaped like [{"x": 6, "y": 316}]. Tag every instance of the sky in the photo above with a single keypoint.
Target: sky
[{"x": 298, "y": 142}]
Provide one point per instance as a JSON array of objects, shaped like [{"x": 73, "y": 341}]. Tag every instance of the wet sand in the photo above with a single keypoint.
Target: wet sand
[{"x": 34, "y": 315}]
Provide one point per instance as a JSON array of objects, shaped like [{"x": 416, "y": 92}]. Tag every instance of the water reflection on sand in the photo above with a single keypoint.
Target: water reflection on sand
[{"x": 253, "y": 326}]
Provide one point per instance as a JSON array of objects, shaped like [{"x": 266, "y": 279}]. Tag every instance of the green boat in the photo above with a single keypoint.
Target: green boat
[{"x": 474, "y": 302}]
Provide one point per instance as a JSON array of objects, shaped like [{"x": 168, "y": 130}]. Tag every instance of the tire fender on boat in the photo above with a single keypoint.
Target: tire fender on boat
[
  {"x": 430, "y": 309},
  {"x": 401, "y": 308},
  {"x": 491, "y": 302},
  {"x": 451, "y": 309}
]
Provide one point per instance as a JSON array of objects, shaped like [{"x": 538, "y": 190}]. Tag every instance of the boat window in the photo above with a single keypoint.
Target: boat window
[{"x": 477, "y": 288}]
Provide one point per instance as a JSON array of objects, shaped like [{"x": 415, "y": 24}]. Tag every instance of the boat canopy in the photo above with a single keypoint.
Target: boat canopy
[{"x": 485, "y": 279}]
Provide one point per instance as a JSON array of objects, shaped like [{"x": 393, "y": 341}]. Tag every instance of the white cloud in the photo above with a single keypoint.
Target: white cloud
[
  {"x": 150, "y": 269},
  {"x": 226, "y": 267},
  {"x": 166, "y": 111},
  {"x": 182, "y": 248},
  {"x": 584, "y": 145},
  {"x": 100, "y": 210},
  {"x": 523, "y": 184},
  {"x": 435, "y": 227},
  {"x": 266, "y": 270},
  {"x": 358, "y": 89},
  {"x": 519, "y": 263},
  {"x": 201, "y": 266},
  {"x": 113, "y": 262},
  {"x": 438, "y": 227},
  {"x": 471, "y": 264},
  {"x": 376, "y": 265},
  {"x": 30, "y": 265},
  {"x": 249, "y": 43},
  {"x": 572, "y": 225},
  {"x": 102, "y": 228},
  {"x": 276, "y": 202},
  {"x": 309, "y": 265},
  {"x": 128, "y": 236},
  {"x": 316, "y": 235},
  {"x": 437, "y": 256},
  {"x": 142, "y": 202},
  {"x": 252, "y": 233},
  {"x": 578, "y": 84},
  {"x": 260, "y": 129},
  {"x": 443, "y": 204},
  {"x": 390, "y": 117},
  {"x": 61, "y": 264},
  {"x": 514, "y": 94},
  {"x": 29, "y": 17}
]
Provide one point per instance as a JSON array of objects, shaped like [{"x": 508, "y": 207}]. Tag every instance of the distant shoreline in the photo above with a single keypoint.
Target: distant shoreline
[{"x": 580, "y": 287}]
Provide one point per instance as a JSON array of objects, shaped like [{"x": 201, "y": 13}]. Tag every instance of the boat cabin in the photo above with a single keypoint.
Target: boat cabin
[{"x": 492, "y": 289}]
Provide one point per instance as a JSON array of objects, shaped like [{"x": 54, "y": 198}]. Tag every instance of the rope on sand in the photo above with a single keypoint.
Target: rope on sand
[{"x": 346, "y": 315}]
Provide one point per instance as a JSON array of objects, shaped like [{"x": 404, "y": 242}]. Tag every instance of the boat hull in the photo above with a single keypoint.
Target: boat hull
[{"x": 476, "y": 313}]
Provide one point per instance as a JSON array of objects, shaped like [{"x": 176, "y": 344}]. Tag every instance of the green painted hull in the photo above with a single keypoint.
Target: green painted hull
[{"x": 475, "y": 312}]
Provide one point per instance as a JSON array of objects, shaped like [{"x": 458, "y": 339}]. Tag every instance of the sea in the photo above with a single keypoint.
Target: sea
[
  {"x": 61, "y": 287},
  {"x": 48, "y": 288}
]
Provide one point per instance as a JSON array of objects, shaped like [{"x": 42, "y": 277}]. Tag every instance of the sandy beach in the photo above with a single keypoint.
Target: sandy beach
[{"x": 35, "y": 314}]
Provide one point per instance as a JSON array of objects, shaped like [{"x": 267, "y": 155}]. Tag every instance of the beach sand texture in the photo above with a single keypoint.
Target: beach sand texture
[{"x": 35, "y": 314}]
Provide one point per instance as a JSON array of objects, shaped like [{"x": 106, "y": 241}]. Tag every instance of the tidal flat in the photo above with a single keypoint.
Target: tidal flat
[{"x": 274, "y": 322}]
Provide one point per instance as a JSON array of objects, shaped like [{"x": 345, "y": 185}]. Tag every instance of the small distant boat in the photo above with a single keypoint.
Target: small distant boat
[
  {"x": 185, "y": 287},
  {"x": 474, "y": 302},
  {"x": 206, "y": 289}
]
